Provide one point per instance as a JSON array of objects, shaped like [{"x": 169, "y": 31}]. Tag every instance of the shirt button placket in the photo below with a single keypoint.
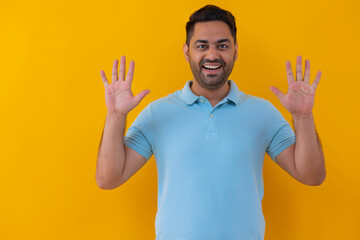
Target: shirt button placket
[{"x": 211, "y": 127}]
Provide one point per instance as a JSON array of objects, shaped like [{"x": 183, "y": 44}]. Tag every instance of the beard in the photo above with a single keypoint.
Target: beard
[{"x": 211, "y": 81}]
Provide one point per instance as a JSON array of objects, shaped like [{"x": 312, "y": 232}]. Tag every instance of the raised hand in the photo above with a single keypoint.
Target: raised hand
[
  {"x": 299, "y": 100},
  {"x": 118, "y": 95}
]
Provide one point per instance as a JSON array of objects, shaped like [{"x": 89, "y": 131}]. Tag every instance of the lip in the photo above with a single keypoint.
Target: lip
[{"x": 211, "y": 72}]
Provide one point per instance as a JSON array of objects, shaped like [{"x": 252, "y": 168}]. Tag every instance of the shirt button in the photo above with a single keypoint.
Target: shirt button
[
  {"x": 211, "y": 115},
  {"x": 202, "y": 100}
]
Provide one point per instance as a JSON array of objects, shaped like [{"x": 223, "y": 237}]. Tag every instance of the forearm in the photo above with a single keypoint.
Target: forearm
[
  {"x": 309, "y": 157},
  {"x": 111, "y": 155}
]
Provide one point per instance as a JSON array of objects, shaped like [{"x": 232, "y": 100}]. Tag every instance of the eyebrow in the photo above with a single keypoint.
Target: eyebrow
[{"x": 219, "y": 41}]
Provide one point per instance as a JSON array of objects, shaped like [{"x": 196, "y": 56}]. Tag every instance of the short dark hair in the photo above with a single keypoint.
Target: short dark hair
[{"x": 207, "y": 14}]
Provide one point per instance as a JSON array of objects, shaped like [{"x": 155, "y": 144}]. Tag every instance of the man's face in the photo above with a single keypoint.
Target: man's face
[{"x": 211, "y": 53}]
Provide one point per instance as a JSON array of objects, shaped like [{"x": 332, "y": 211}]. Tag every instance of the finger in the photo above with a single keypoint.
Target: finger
[
  {"x": 122, "y": 68},
  {"x": 289, "y": 73},
  {"x": 114, "y": 76},
  {"x": 317, "y": 80},
  {"x": 299, "y": 76},
  {"x": 103, "y": 77},
  {"x": 140, "y": 96},
  {"x": 307, "y": 71},
  {"x": 130, "y": 74},
  {"x": 280, "y": 95}
]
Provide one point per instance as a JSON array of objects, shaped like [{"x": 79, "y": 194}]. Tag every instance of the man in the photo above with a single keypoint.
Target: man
[{"x": 209, "y": 139}]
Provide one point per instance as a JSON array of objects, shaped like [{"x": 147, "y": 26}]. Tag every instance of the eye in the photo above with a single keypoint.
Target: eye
[
  {"x": 223, "y": 46},
  {"x": 201, "y": 46}
]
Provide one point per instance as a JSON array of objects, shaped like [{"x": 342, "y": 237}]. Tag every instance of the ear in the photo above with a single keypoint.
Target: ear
[
  {"x": 186, "y": 51},
  {"x": 236, "y": 50}
]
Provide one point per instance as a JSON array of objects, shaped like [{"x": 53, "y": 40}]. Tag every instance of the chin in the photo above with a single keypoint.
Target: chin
[{"x": 216, "y": 84}]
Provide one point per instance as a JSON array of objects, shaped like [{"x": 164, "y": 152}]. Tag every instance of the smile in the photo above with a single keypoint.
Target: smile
[{"x": 211, "y": 69}]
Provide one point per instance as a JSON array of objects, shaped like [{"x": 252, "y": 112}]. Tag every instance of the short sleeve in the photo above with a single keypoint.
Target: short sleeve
[
  {"x": 280, "y": 133},
  {"x": 138, "y": 137}
]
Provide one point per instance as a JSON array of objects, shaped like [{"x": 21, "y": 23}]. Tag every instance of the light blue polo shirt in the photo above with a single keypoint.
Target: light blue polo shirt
[{"x": 209, "y": 162}]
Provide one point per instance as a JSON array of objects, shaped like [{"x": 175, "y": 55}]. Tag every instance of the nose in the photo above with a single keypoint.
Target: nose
[{"x": 212, "y": 53}]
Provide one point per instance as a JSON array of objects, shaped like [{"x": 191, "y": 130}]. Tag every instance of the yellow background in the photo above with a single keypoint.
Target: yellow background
[{"x": 53, "y": 110}]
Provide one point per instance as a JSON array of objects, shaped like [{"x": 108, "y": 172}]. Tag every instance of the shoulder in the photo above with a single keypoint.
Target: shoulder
[
  {"x": 257, "y": 100},
  {"x": 254, "y": 102},
  {"x": 167, "y": 101}
]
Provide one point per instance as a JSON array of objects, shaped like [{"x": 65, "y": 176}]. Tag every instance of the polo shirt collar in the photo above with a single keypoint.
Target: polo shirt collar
[{"x": 189, "y": 97}]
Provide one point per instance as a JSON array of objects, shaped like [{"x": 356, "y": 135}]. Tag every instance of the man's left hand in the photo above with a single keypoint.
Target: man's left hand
[{"x": 299, "y": 99}]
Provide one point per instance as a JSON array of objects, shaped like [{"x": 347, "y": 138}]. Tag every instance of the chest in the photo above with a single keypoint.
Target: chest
[{"x": 224, "y": 133}]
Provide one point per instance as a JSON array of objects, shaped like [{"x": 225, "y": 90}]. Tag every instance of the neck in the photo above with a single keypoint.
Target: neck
[{"x": 214, "y": 96}]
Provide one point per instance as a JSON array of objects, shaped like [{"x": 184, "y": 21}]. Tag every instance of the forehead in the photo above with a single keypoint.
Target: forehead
[{"x": 211, "y": 31}]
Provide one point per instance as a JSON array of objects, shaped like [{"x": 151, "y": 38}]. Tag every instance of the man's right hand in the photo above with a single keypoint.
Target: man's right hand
[{"x": 119, "y": 98}]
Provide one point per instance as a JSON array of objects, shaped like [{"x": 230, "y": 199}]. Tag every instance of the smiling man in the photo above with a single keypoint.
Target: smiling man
[
  {"x": 209, "y": 138},
  {"x": 211, "y": 59},
  {"x": 211, "y": 51}
]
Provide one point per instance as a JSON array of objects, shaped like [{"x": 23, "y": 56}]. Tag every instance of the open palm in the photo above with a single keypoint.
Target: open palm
[
  {"x": 299, "y": 100},
  {"x": 118, "y": 95}
]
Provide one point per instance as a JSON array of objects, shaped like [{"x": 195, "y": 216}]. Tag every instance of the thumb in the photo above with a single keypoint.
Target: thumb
[
  {"x": 278, "y": 93},
  {"x": 140, "y": 96}
]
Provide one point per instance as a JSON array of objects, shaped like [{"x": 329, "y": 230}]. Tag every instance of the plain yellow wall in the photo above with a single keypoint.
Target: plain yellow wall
[{"x": 53, "y": 110}]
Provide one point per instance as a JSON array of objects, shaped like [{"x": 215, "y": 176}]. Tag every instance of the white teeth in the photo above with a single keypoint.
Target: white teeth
[{"x": 211, "y": 67}]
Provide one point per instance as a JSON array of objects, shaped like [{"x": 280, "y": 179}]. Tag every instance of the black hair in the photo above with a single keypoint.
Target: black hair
[{"x": 207, "y": 14}]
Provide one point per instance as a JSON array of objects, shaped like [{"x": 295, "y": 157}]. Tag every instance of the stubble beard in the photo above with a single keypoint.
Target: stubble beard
[{"x": 211, "y": 82}]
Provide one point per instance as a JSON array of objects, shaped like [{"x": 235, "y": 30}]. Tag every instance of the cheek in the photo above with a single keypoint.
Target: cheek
[
  {"x": 229, "y": 59},
  {"x": 196, "y": 59}
]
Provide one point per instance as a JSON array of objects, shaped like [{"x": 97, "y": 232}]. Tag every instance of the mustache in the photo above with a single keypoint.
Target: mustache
[{"x": 214, "y": 61}]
